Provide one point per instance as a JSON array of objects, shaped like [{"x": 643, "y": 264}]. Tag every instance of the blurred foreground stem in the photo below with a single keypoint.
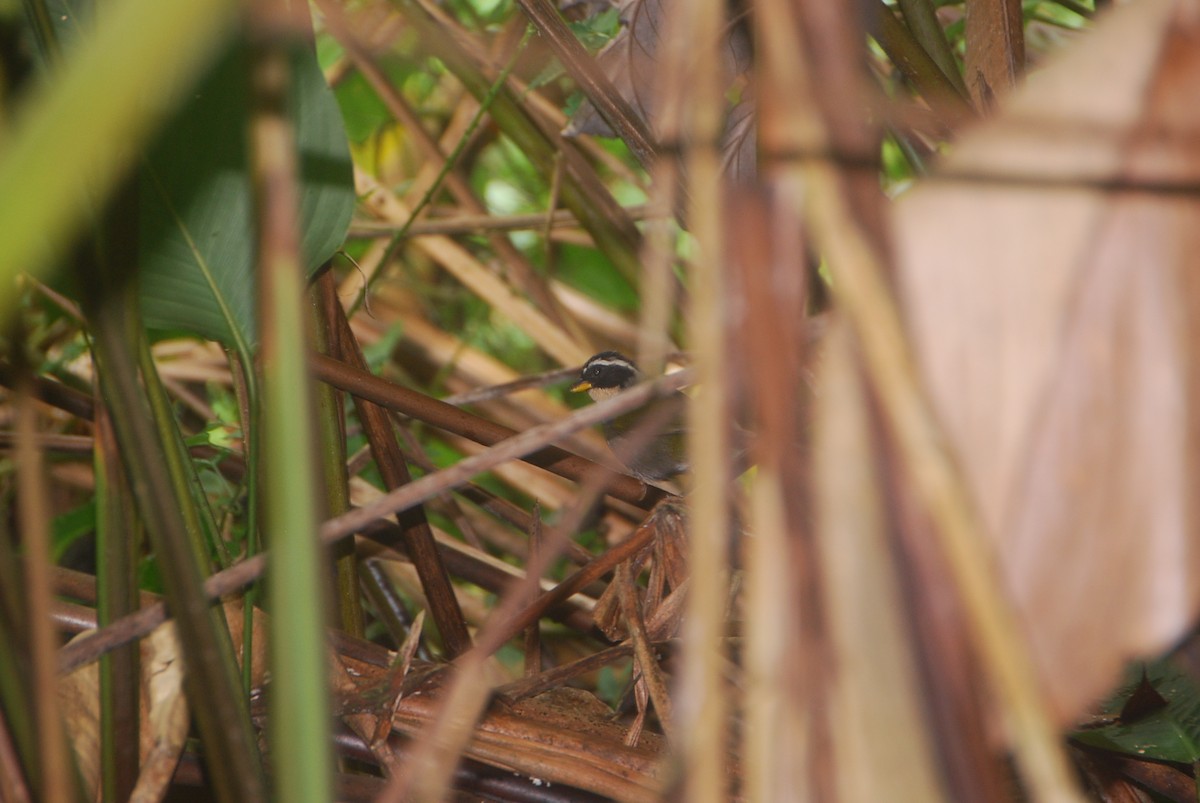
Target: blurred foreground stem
[{"x": 299, "y": 710}]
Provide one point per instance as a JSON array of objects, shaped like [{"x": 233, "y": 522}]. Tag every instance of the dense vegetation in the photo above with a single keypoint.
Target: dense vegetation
[{"x": 294, "y": 300}]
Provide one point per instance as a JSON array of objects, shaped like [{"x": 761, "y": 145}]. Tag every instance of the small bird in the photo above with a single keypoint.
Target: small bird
[{"x": 654, "y": 456}]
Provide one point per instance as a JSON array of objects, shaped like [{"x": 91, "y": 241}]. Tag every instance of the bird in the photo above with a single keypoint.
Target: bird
[{"x": 649, "y": 456}]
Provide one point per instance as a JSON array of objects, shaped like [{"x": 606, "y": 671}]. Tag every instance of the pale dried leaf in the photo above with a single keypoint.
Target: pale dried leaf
[
  {"x": 1056, "y": 319},
  {"x": 166, "y": 713},
  {"x": 79, "y": 700}
]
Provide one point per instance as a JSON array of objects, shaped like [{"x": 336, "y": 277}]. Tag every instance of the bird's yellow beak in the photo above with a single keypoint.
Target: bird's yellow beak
[{"x": 581, "y": 386}]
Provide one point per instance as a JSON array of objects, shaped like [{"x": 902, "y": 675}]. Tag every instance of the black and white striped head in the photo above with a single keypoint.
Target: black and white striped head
[{"x": 605, "y": 374}]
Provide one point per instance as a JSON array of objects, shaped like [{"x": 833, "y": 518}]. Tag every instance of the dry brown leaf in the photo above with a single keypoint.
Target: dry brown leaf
[
  {"x": 1055, "y": 309},
  {"x": 667, "y": 554},
  {"x": 633, "y": 63},
  {"x": 995, "y": 53},
  {"x": 166, "y": 713},
  {"x": 164, "y": 718},
  {"x": 561, "y": 736},
  {"x": 79, "y": 700},
  {"x": 630, "y": 62}
]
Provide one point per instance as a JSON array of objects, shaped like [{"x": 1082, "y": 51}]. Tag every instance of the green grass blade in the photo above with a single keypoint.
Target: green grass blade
[{"x": 300, "y": 710}]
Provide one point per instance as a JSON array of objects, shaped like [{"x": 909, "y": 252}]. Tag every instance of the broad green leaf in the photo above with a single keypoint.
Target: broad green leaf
[
  {"x": 77, "y": 131},
  {"x": 1169, "y": 733},
  {"x": 197, "y": 214}
]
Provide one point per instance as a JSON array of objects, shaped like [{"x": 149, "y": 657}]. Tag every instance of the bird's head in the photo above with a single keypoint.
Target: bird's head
[{"x": 606, "y": 374}]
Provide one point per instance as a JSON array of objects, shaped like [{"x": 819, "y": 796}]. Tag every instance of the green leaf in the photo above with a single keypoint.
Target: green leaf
[
  {"x": 197, "y": 215},
  {"x": 597, "y": 31},
  {"x": 588, "y": 271},
  {"x": 75, "y": 133},
  {"x": 1168, "y": 733},
  {"x": 69, "y": 527},
  {"x": 362, "y": 110}
]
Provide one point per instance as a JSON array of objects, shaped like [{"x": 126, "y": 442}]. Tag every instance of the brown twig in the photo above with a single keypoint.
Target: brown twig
[
  {"x": 54, "y": 393},
  {"x": 553, "y": 678},
  {"x": 417, "y": 535},
  {"x": 428, "y": 774},
  {"x": 517, "y": 385}
]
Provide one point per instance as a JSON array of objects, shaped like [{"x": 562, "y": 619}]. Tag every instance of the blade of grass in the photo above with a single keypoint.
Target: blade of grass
[
  {"x": 921, "y": 18},
  {"x": 118, "y": 534},
  {"x": 944, "y": 96},
  {"x": 201, "y": 528},
  {"x": 300, "y": 707}
]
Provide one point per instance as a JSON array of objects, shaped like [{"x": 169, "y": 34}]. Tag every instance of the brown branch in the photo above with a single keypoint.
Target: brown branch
[
  {"x": 417, "y": 535},
  {"x": 54, "y": 393}
]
